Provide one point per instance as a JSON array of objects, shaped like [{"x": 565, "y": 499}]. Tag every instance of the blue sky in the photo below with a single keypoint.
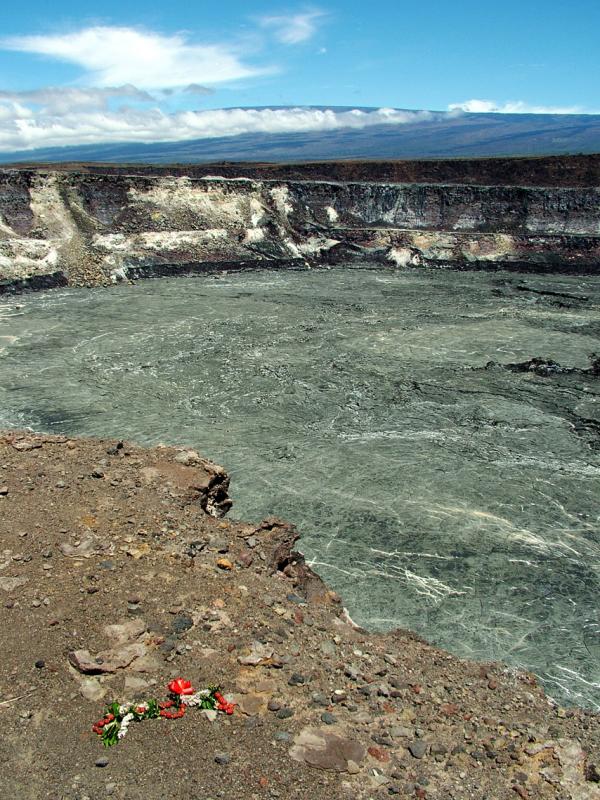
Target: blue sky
[{"x": 157, "y": 71}]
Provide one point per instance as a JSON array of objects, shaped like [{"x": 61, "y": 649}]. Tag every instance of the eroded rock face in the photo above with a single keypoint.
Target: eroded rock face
[{"x": 82, "y": 229}]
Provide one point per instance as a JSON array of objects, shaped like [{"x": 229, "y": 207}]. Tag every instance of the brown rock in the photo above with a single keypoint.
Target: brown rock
[
  {"x": 126, "y": 631},
  {"x": 134, "y": 685},
  {"x": 449, "y": 709},
  {"x": 85, "y": 549},
  {"x": 245, "y": 558},
  {"x": 92, "y": 690},
  {"x": 10, "y": 584},
  {"x": 252, "y": 704},
  {"x": 107, "y": 661},
  {"x": 379, "y": 754},
  {"x": 325, "y": 750},
  {"x": 259, "y": 653},
  {"x": 147, "y": 663}
]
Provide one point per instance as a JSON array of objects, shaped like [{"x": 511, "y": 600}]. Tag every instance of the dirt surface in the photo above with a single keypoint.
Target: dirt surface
[
  {"x": 575, "y": 170},
  {"x": 102, "y": 533}
]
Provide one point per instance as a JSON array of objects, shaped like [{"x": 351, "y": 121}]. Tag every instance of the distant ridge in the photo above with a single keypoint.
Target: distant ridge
[
  {"x": 444, "y": 136},
  {"x": 567, "y": 171}
]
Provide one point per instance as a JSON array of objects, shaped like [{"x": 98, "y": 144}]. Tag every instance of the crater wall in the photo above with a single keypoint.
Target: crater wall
[{"x": 61, "y": 227}]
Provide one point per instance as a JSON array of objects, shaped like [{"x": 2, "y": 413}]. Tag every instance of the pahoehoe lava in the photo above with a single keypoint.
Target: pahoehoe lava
[{"x": 433, "y": 434}]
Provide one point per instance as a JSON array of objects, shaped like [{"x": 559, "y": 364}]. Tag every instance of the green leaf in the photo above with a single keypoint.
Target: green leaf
[
  {"x": 110, "y": 733},
  {"x": 153, "y": 709}
]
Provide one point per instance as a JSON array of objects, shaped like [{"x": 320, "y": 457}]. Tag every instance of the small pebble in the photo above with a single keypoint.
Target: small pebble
[
  {"x": 417, "y": 749},
  {"x": 40, "y": 664},
  {"x": 295, "y": 598},
  {"x": 102, "y": 761},
  {"x": 328, "y": 648},
  {"x": 182, "y": 623},
  {"x": 297, "y": 680},
  {"x": 328, "y": 718},
  {"x": 285, "y": 713},
  {"x": 223, "y": 758}
]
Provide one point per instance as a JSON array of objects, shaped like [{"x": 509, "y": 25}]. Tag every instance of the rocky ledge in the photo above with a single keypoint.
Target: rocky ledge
[{"x": 118, "y": 573}]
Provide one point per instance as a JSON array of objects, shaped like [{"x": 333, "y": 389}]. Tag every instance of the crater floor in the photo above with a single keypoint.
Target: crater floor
[{"x": 433, "y": 490}]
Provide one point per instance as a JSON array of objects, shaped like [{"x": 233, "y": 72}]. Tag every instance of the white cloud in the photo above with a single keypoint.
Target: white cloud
[
  {"x": 61, "y": 100},
  {"x": 293, "y": 28},
  {"x": 112, "y": 56},
  {"x": 22, "y": 128},
  {"x": 511, "y": 107}
]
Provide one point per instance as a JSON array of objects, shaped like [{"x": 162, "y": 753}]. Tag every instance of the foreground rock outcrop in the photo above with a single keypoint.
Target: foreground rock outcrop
[
  {"x": 83, "y": 227},
  {"x": 118, "y": 574}
]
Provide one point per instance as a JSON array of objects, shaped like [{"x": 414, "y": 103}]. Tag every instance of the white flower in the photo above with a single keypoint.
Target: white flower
[
  {"x": 124, "y": 725},
  {"x": 196, "y": 698}
]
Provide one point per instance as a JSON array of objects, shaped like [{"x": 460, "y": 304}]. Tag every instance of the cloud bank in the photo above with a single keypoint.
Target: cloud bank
[
  {"x": 511, "y": 107},
  {"x": 22, "y": 128}
]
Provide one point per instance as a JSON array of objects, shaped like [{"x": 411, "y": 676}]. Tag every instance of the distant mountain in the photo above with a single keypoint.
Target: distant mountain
[{"x": 445, "y": 136}]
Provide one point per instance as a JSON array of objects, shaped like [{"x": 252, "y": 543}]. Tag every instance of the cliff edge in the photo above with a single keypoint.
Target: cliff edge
[
  {"x": 118, "y": 574},
  {"x": 91, "y": 225}
]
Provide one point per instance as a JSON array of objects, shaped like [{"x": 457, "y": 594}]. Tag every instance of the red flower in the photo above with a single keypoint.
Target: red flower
[
  {"x": 181, "y": 686},
  {"x": 223, "y": 705},
  {"x": 173, "y": 714}
]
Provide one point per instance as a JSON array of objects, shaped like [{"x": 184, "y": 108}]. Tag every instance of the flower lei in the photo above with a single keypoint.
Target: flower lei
[{"x": 115, "y": 723}]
